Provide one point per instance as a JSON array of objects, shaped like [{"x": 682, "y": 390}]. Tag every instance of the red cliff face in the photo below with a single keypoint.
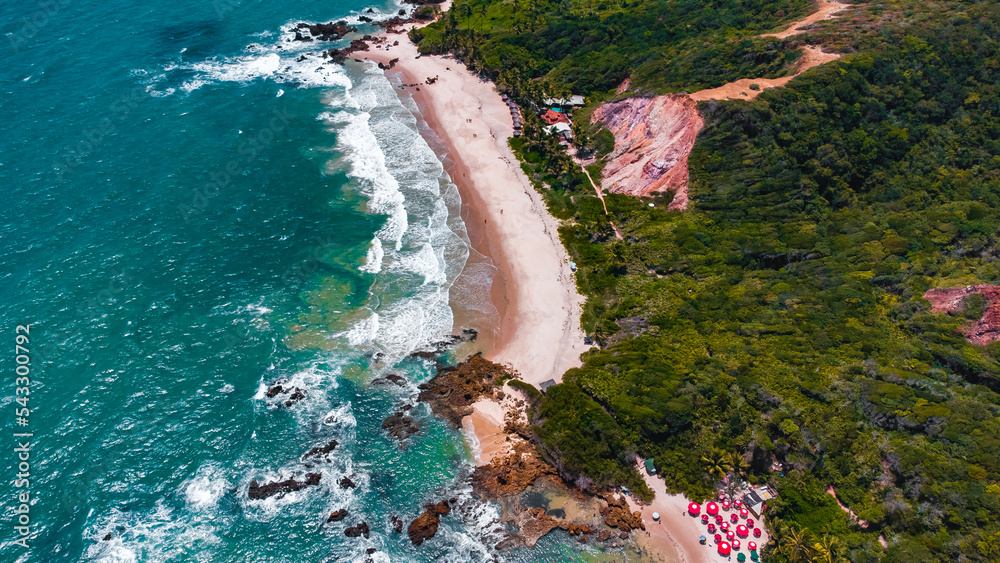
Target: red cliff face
[
  {"x": 653, "y": 138},
  {"x": 987, "y": 328}
]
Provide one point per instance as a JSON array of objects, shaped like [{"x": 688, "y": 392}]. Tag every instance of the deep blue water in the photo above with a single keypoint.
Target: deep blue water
[{"x": 192, "y": 213}]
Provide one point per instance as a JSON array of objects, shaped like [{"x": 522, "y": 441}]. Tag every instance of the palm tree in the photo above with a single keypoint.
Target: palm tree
[
  {"x": 796, "y": 546},
  {"x": 827, "y": 550},
  {"x": 717, "y": 463},
  {"x": 738, "y": 462}
]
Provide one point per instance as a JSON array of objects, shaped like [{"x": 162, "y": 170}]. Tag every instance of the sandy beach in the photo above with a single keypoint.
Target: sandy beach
[{"x": 534, "y": 289}]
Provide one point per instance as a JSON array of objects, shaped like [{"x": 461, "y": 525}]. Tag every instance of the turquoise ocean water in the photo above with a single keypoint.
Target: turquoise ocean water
[{"x": 195, "y": 208}]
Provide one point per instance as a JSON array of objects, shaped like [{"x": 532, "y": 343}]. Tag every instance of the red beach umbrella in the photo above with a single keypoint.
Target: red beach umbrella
[
  {"x": 734, "y": 518},
  {"x": 756, "y": 532},
  {"x": 752, "y": 546},
  {"x": 725, "y": 505},
  {"x": 718, "y": 538},
  {"x": 724, "y": 549},
  {"x": 749, "y": 522},
  {"x": 736, "y": 545},
  {"x": 712, "y": 509},
  {"x": 711, "y": 528},
  {"x": 744, "y": 513},
  {"x": 724, "y": 526},
  {"x": 718, "y": 519},
  {"x": 694, "y": 508},
  {"x": 730, "y": 535},
  {"x": 704, "y": 518},
  {"x": 742, "y": 531},
  {"x": 738, "y": 503}
]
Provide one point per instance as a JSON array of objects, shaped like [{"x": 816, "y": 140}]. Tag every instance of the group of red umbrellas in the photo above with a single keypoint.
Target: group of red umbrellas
[{"x": 727, "y": 540}]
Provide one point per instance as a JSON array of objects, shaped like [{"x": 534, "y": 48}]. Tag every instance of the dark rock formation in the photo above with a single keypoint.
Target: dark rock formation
[
  {"x": 346, "y": 483},
  {"x": 294, "y": 393},
  {"x": 617, "y": 515},
  {"x": 426, "y": 525},
  {"x": 392, "y": 377},
  {"x": 297, "y": 395},
  {"x": 533, "y": 524},
  {"x": 397, "y": 523},
  {"x": 324, "y": 31},
  {"x": 338, "y": 515},
  {"x": 320, "y": 450},
  {"x": 511, "y": 474},
  {"x": 258, "y": 491},
  {"x": 358, "y": 530},
  {"x": 400, "y": 426},
  {"x": 453, "y": 390},
  {"x": 440, "y": 347},
  {"x": 340, "y": 55}
]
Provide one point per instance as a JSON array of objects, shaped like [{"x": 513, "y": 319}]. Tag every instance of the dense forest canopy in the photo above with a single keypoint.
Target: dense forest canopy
[
  {"x": 781, "y": 318},
  {"x": 591, "y": 46}
]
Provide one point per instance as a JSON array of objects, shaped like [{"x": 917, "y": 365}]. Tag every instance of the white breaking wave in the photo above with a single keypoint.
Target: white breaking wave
[
  {"x": 421, "y": 247},
  {"x": 205, "y": 489},
  {"x": 373, "y": 261}
]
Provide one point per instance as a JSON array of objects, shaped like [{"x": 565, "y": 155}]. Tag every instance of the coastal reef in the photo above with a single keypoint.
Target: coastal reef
[
  {"x": 331, "y": 31},
  {"x": 258, "y": 491},
  {"x": 452, "y": 392},
  {"x": 653, "y": 138},
  {"x": 510, "y": 474},
  {"x": 425, "y": 526}
]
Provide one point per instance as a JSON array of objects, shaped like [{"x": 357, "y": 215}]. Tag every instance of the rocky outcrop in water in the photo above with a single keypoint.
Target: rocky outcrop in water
[
  {"x": 358, "y": 530},
  {"x": 338, "y": 515},
  {"x": 391, "y": 378},
  {"x": 346, "y": 483},
  {"x": 532, "y": 524},
  {"x": 653, "y": 138},
  {"x": 982, "y": 331},
  {"x": 340, "y": 55},
  {"x": 320, "y": 451},
  {"x": 426, "y": 525},
  {"x": 400, "y": 426},
  {"x": 258, "y": 491},
  {"x": 278, "y": 388},
  {"x": 511, "y": 474},
  {"x": 453, "y": 391},
  {"x": 330, "y": 31}
]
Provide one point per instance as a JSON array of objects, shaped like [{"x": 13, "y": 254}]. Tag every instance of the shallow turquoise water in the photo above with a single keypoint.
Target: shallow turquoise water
[{"x": 193, "y": 213}]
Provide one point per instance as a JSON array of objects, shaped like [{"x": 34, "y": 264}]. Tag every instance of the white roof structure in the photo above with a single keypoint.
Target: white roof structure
[
  {"x": 570, "y": 101},
  {"x": 558, "y": 128}
]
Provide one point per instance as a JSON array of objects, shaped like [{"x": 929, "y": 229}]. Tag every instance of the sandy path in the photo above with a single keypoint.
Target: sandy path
[
  {"x": 827, "y": 9},
  {"x": 540, "y": 333},
  {"x": 740, "y": 89}
]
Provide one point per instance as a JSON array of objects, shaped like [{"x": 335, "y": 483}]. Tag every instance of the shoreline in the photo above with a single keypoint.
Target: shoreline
[{"x": 534, "y": 290}]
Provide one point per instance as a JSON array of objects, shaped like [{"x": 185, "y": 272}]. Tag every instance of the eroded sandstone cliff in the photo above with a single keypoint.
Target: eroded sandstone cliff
[{"x": 653, "y": 138}]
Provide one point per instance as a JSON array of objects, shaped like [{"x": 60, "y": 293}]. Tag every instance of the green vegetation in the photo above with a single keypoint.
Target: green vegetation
[
  {"x": 781, "y": 319},
  {"x": 784, "y": 318},
  {"x": 590, "y": 46}
]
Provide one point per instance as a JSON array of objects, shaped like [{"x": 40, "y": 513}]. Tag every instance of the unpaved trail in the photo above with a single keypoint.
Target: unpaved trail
[
  {"x": 812, "y": 56},
  {"x": 600, "y": 196},
  {"x": 827, "y": 9}
]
